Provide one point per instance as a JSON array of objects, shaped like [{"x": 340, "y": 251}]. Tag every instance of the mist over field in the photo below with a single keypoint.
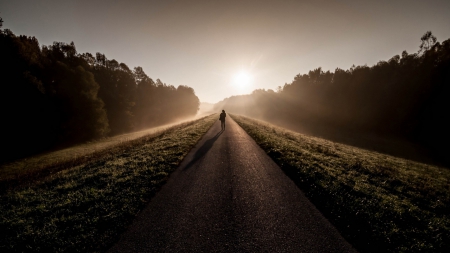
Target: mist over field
[
  {"x": 398, "y": 106},
  {"x": 54, "y": 96},
  {"x": 335, "y": 109},
  {"x": 205, "y": 108}
]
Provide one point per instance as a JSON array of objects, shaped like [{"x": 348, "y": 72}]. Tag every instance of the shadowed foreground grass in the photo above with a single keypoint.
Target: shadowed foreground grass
[
  {"x": 39, "y": 165},
  {"x": 379, "y": 203},
  {"x": 86, "y": 207}
]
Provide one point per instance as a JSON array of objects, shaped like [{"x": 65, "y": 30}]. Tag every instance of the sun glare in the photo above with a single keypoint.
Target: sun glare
[{"x": 242, "y": 79}]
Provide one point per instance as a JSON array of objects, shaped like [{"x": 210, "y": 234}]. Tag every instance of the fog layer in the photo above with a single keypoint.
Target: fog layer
[
  {"x": 53, "y": 96},
  {"x": 403, "y": 99}
]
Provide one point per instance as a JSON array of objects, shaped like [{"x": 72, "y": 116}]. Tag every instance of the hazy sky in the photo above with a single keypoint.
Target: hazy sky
[{"x": 204, "y": 44}]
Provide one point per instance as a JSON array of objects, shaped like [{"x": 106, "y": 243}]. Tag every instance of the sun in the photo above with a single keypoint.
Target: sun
[{"x": 242, "y": 79}]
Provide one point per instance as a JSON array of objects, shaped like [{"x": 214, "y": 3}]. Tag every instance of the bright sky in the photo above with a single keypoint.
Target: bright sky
[{"x": 225, "y": 48}]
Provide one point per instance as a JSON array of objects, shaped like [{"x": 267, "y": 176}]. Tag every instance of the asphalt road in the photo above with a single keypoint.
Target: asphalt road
[{"x": 229, "y": 196}]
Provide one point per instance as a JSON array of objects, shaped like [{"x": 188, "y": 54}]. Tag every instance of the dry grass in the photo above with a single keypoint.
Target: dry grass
[
  {"x": 86, "y": 205},
  {"x": 378, "y": 202}
]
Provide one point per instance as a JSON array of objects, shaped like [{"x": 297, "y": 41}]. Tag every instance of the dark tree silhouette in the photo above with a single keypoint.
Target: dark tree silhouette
[
  {"x": 53, "y": 96},
  {"x": 403, "y": 98},
  {"x": 428, "y": 41}
]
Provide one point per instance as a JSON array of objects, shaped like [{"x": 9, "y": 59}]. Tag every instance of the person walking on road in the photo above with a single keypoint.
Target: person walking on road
[{"x": 222, "y": 119}]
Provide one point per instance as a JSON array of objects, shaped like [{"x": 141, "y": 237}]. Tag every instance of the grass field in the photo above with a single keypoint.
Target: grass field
[
  {"x": 85, "y": 207},
  {"x": 20, "y": 170},
  {"x": 379, "y": 203}
]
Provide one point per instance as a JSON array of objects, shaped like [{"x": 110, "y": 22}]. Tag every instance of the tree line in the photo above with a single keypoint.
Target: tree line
[
  {"x": 404, "y": 97},
  {"x": 53, "y": 96}
]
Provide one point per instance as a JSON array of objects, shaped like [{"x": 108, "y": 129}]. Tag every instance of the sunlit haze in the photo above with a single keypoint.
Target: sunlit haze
[
  {"x": 242, "y": 81},
  {"x": 225, "y": 48}
]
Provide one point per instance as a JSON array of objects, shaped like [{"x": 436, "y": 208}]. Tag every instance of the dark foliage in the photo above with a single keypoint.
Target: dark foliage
[
  {"x": 53, "y": 96},
  {"x": 405, "y": 97}
]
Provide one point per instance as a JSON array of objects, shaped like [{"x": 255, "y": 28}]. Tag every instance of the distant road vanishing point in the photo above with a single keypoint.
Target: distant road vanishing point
[{"x": 229, "y": 196}]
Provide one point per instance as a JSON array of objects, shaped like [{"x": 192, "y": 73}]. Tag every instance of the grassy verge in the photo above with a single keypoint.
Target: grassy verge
[
  {"x": 86, "y": 207},
  {"x": 38, "y": 166},
  {"x": 378, "y": 202}
]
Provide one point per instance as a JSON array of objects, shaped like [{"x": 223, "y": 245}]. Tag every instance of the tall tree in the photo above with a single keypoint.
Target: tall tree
[
  {"x": 428, "y": 40},
  {"x": 51, "y": 96}
]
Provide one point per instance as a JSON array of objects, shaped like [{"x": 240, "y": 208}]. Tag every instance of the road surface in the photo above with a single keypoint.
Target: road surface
[{"x": 229, "y": 196}]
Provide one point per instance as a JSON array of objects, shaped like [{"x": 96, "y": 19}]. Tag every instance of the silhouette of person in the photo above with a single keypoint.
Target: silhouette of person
[{"x": 222, "y": 119}]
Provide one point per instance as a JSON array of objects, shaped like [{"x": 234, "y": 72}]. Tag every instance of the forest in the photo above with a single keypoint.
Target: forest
[
  {"x": 53, "y": 96},
  {"x": 405, "y": 97}
]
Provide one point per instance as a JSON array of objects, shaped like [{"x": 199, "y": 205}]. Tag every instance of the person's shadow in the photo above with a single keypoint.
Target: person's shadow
[{"x": 203, "y": 149}]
